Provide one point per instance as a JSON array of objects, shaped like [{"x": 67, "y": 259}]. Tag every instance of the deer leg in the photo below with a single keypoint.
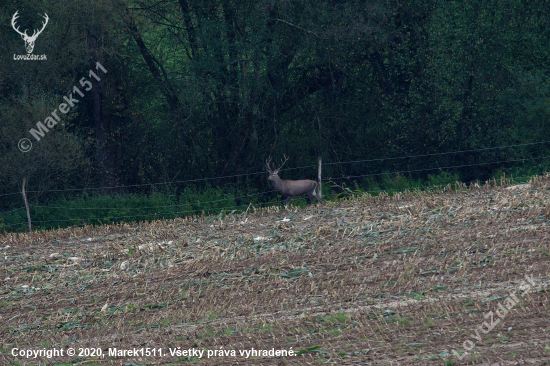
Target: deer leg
[
  {"x": 318, "y": 198},
  {"x": 314, "y": 194},
  {"x": 309, "y": 197},
  {"x": 287, "y": 200}
]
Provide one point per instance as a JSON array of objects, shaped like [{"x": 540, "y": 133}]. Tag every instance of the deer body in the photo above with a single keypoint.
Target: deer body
[{"x": 290, "y": 188}]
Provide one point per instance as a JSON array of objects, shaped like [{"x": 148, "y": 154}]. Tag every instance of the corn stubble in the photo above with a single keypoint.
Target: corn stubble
[{"x": 376, "y": 280}]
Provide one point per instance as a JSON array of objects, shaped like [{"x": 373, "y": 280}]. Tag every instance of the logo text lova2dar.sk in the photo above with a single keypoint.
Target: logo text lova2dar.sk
[{"x": 29, "y": 40}]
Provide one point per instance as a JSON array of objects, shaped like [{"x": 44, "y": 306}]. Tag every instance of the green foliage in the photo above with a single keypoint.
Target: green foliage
[
  {"x": 3, "y": 227},
  {"x": 442, "y": 179},
  {"x": 108, "y": 209},
  {"x": 398, "y": 182},
  {"x": 386, "y": 91}
]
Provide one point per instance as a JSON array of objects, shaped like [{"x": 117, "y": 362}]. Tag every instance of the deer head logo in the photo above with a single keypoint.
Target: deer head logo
[{"x": 29, "y": 40}]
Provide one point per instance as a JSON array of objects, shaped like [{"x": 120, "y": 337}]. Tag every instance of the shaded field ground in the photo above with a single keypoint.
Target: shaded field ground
[{"x": 401, "y": 280}]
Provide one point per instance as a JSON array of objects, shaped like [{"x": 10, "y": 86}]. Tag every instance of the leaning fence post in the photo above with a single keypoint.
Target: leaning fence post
[
  {"x": 319, "y": 178},
  {"x": 26, "y": 204}
]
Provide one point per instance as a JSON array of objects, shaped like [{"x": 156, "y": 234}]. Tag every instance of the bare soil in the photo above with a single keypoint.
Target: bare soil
[{"x": 401, "y": 280}]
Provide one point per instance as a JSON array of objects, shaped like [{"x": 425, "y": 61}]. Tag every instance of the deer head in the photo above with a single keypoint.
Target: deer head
[
  {"x": 273, "y": 174},
  {"x": 29, "y": 40}
]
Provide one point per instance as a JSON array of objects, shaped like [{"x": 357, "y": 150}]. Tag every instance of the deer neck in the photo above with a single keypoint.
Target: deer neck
[{"x": 278, "y": 183}]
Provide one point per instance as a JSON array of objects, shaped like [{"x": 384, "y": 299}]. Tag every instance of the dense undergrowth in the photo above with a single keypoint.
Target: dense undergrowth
[{"x": 100, "y": 208}]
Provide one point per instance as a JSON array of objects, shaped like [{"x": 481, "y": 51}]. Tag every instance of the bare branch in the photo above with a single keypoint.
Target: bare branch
[{"x": 298, "y": 27}]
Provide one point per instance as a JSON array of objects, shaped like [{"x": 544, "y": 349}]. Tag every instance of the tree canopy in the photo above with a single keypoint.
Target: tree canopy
[{"x": 200, "y": 89}]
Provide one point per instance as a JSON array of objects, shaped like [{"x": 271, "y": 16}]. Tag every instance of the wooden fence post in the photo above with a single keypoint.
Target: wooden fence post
[
  {"x": 26, "y": 204},
  {"x": 319, "y": 178}
]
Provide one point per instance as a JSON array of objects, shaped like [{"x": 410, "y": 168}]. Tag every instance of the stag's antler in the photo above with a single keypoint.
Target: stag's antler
[
  {"x": 15, "y": 16},
  {"x": 44, "y": 24},
  {"x": 284, "y": 162},
  {"x": 267, "y": 163}
]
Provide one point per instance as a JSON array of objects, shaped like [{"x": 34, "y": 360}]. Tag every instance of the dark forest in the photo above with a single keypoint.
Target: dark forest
[{"x": 177, "y": 104}]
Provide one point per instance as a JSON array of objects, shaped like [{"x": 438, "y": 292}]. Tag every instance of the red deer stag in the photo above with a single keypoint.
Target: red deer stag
[{"x": 291, "y": 188}]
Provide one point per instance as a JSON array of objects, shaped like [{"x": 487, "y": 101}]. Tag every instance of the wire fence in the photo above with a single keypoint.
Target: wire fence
[
  {"x": 156, "y": 215},
  {"x": 292, "y": 168},
  {"x": 439, "y": 168},
  {"x": 166, "y": 215},
  {"x": 205, "y": 205}
]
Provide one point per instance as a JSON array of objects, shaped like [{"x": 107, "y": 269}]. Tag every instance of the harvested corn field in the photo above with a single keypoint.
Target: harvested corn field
[{"x": 457, "y": 276}]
